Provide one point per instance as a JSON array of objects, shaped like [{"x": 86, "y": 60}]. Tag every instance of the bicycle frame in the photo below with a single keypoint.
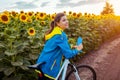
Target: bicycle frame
[
  {"x": 65, "y": 65},
  {"x": 64, "y": 69}
]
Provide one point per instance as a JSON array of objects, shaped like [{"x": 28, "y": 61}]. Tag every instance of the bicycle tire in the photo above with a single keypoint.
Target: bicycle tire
[{"x": 82, "y": 77}]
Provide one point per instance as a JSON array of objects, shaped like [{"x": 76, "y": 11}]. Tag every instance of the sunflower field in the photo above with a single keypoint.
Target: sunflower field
[{"x": 22, "y": 33}]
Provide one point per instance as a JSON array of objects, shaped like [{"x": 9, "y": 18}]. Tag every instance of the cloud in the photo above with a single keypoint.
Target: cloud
[
  {"x": 23, "y": 5},
  {"x": 71, "y": 3},
  {"x": 44, "y": 4}
]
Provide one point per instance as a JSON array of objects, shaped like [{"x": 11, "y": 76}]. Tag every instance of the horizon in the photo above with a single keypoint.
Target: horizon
[{"x": 49, "y": 7}]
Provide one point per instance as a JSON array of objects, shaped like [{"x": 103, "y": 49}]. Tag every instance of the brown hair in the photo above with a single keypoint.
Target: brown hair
[{"x": 54, "y": 22}]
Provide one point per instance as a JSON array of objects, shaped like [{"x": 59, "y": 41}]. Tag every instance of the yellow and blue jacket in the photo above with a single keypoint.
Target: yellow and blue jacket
[{"x": 56, "y": 46}]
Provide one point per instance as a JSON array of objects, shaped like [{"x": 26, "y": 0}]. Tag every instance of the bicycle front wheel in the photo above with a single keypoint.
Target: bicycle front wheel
[{"x": 85, "y": 72}]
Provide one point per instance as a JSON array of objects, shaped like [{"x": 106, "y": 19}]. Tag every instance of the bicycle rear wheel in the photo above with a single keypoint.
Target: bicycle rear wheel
[{"x": 85, "y": 72}]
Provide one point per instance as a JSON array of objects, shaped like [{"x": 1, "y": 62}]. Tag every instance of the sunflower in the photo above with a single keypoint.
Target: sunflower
[
  {"x": 23, "y": 17},
  {"x": 85, "y": 14},
  {"x": 16, "y": 16},
  {"x": 21, "y": 12},
  {"x": 42, "y": 15},
  {"x": 79, "y": 15},
  {"x": 13, "y": 13},
  {"x": 74, "y": 14},
  {"x": 89, "y": 15},
  {"x": 30, "y": 14},
  {"x": 42, "y": 22},
  {"x": 31, "y": 31},
  {"x": 70, "y": 12},
  {"x": 52, "y": 16},
  {"x": 37, "y": 17},
  {"x": 4, "y": 18},
  {"x": 29, "y": 20},
  {"x": 64, "y": 12},
  {"x": 6, "y": 12}
]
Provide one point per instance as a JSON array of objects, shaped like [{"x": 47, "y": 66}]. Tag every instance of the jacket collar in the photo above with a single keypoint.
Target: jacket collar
[{"x": 56, "y": 30}]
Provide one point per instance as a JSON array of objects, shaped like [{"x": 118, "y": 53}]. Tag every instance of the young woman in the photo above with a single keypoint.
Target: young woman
[{"x": 56, "y": 46}]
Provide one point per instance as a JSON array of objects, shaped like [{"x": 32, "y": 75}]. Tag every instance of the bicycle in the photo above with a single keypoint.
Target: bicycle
[
  {"x": 81, "y": 72},
  {"x": 74, "y": 73}
]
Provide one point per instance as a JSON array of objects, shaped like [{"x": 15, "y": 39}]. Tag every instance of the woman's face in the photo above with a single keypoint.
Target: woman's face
[{"x": 63, "y": 23}]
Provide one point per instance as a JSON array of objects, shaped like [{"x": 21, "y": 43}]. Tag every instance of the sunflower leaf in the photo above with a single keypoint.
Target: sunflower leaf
[
  {"x": 9, "y": 71},
  {"x": 18, "y": 63}
]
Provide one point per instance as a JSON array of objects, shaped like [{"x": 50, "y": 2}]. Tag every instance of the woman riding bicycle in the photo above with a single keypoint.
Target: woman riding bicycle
[{"x": 56, "y": 46}]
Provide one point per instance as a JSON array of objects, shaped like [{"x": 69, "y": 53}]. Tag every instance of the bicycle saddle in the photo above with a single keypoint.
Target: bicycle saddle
[{"x": 36, "y": 66}]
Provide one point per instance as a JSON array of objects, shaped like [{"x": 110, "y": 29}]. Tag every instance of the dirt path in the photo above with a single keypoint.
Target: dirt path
[{"x": 105, "y": 60}]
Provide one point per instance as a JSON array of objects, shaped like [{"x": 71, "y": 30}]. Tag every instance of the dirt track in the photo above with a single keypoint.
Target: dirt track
[{"x": 105, "y": 60}]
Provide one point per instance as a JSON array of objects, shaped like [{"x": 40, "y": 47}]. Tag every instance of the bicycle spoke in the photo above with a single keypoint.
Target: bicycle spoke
[{"x": 85, "y": 72}]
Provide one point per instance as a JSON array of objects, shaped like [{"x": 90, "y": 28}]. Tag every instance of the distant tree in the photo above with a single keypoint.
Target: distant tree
[{"x": 108, "y": 9}]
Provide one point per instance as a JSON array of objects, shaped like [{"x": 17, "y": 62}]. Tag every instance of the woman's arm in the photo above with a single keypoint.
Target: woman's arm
[{"x": 65, "y": 48}]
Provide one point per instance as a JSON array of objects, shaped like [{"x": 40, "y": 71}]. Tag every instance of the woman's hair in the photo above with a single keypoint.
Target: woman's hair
[{"x": 54, "y": 22}]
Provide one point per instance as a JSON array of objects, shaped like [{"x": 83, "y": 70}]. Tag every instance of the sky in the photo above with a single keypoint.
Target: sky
[{"x": 52, "y": 6}]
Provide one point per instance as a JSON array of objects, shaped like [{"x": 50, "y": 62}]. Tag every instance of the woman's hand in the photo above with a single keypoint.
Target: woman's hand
[{"x": 79, "y": 47}]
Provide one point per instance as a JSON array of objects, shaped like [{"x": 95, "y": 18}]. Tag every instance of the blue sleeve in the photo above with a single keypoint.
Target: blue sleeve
[{"x": 65, "y": 48}]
